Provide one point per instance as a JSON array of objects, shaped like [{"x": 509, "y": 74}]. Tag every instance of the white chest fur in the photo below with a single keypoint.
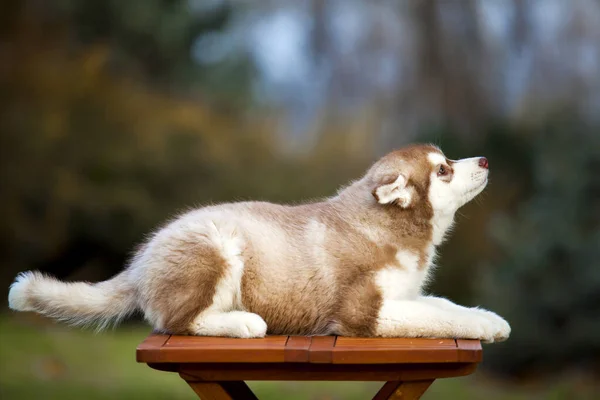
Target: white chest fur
[{"x": 404, "y": 279}]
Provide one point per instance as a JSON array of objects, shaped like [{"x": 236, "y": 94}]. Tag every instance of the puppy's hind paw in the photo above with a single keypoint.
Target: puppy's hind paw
[{"x": 238, "y": 324}]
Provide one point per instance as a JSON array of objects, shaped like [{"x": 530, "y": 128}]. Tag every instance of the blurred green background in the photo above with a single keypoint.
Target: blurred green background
[{"x": 116, "y": 115}]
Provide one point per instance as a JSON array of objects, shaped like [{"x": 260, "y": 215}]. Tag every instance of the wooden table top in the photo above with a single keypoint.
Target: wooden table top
[{"x": 300, "y": 349}]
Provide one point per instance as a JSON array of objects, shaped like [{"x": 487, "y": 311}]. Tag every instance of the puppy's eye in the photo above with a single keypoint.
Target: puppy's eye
[{"x": 442, "y": 171}]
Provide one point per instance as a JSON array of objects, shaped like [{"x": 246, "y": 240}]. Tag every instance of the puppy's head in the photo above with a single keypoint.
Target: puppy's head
[
  {"x": 453, "y": 183},
  {"x": 422, "y": 177}
]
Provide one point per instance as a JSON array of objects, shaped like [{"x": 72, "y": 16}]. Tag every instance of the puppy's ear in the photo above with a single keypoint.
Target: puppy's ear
[{"x": 393, "y": 189}]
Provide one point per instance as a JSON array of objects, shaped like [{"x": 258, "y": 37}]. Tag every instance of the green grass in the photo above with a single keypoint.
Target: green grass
[{"x": 42, "y": 360}]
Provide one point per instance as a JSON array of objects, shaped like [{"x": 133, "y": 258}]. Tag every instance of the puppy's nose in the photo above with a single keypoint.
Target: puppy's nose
[{"x": 483, "y": 163}]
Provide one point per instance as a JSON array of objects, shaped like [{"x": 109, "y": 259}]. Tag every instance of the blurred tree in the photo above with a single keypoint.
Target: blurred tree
[
  {"x": 155, "y": 38},
  {"x": 449, "y": 59}
]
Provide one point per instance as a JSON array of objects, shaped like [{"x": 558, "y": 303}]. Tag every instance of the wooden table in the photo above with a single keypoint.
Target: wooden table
[{"x": 216, "y": 368}]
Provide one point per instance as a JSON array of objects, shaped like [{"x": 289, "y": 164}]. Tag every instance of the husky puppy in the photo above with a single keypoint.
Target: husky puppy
[{"x": 354, "y": 264}]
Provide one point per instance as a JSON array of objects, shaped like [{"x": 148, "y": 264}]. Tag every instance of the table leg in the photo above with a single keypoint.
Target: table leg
[
  {"x": 396, "y": 390},
  {"x": 231, "y": 390}
]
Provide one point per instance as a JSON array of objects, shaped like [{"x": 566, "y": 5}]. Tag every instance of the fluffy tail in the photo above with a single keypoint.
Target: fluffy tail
[{"x": 77, "y": 303}]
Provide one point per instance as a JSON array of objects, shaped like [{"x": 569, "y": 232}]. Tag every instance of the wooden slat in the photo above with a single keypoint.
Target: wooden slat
[
  {"x": 194, "y": 349},
  {"x": 321, "y": 348},
  {"x": 203, "y": 342},
  {"x": 297, "y": 348},
  {"x": 225, "y": 350},
  {"x": 394, "y": 351},
  {"x": 469, "y": 350},
  {"x": 149, "y": 347},
  {"x": 395, "y": 343}
]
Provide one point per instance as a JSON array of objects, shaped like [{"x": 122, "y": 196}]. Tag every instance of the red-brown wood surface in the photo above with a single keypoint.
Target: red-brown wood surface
[
  {"x": 470, "y": 350},
  {"x": 216, "y": 367},
  {"x": 321, "y": 348},
  {"x": 393, "y": 350},
  {"x": 297, "y": 349},
  {"x": 193, "y": 349},
  {"x": 165, "y": 349}
]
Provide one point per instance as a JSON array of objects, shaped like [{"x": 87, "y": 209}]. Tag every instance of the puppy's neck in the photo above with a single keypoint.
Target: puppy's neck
[
  {"x": 441, "y": 225},
  {"x": 389, "y": 223}
]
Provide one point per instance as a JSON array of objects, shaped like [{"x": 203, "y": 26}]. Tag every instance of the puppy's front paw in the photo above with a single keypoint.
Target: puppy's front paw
[
  {"x": 489, "y": 329},
  {"x": 251, "y": 326},
  {"x": 501, "y": 328},
  {"x": 473, "y": 326}
]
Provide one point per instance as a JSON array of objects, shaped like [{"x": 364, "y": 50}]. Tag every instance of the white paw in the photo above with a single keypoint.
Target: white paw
[
  {"x": 250, "y": 325},
  {"x": 237, "y": 324},
  {"x": 500, "y": 326},
  {"x": 475, "y": 326}
]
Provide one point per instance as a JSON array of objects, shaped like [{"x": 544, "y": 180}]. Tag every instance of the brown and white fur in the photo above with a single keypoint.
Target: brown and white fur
[{"x": 354, "y": 264}]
